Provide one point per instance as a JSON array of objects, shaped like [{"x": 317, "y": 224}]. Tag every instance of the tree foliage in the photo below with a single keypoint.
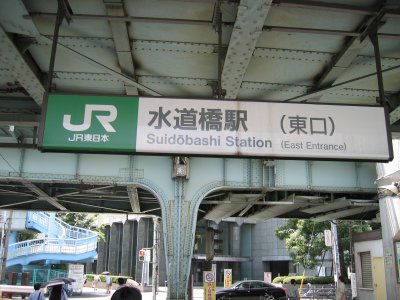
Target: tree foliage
[
  {"x": 82, "y": 220},
  {"x": 26, "y": 235},
  {"x": 306, "y": 242}
]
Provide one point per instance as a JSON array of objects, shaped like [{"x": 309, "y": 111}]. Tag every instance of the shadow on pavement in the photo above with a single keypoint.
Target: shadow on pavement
[{"x": 89, "y": 293}]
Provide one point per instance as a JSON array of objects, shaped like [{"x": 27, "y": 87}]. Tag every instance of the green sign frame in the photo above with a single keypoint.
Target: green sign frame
[{"x": 86, "y": 123}]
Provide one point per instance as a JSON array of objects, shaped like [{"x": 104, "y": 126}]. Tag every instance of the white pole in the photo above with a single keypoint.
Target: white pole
[{"x": 335, "y": 250}]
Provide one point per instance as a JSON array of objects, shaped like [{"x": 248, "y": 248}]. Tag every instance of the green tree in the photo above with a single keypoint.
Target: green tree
[
  {"x": 306, "y": 242},
  {"x": 26, "y": 235},
  {"x": 82, "y": 220}
]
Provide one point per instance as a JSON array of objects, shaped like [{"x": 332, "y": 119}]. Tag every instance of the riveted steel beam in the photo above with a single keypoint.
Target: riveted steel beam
[
  {"x": 122, "y": 43},
  {"x": 133, "y": 198},
  {"x": 178, "y": 47},
  {"x": 242, "y": 43},
  {"x": 349, "y": 211},
  {"x": 43, "y": 196},
  {"x": 349, "y": 52},
  {"x": 342, "y": 85},
  {"x": 301, "y": 55},
  {"x": 334, "y": 7},
  {"x": 19, "y": 119},
  {"x": 125, "y": 78},
  {"x": 19, "y": 68}
]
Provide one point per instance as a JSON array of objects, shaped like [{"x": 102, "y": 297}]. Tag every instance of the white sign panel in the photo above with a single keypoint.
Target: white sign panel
[
  {"x": 353, "y": 279},
  {"x": 328, "y": 237},
  {"x": 265, "y": 129},
  {"x": 267, "y": 277},
  {"x": 76, "y": 271}
]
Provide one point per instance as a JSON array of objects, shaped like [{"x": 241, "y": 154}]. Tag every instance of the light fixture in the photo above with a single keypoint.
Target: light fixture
[
  {"x": 389, "y": 190},
  {"x": 180, "y": 167}
]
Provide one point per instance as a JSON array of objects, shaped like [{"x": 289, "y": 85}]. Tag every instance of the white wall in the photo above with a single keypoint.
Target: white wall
[
  {"x": 376, "y": 249},
  {"x": 390, "y": 219}
]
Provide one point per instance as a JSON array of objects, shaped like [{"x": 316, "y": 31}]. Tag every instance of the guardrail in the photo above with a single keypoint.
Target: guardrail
[
  {"x": 321, "y": 293},
  {"x": 71, "y": 240}
]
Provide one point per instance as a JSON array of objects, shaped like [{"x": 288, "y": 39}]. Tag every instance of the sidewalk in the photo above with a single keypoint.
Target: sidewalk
[{"x": 100, "y": 294}]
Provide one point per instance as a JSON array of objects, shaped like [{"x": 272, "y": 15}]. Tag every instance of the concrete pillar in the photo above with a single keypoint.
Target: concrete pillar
[
  {"x": 102, "y": 251},
  {"x": 236, "y": 237},
  {"x": 90, "y": 268},
  {"x": 144, "y": 240},
  {"x": 390, "y": 220},
  {"x": 128, "y": 248},
  {"x": 115, "y": 249}
]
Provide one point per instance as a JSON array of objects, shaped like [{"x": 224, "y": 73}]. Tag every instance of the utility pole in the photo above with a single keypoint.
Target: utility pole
[
  {"x": 5, "y": 238},
  {"x": 335, "y": 250},
  {"x": 156, "y": 249}
]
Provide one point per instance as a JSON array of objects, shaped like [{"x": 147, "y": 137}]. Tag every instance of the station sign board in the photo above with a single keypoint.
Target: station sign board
[{"x": 167, "y": 126}]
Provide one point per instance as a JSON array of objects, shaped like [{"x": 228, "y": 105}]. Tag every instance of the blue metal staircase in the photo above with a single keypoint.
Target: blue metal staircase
[{"x": 63, "y": 243}]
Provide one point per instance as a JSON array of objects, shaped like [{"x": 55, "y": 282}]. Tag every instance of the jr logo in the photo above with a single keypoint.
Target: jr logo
[{"x": 104, "y": 120}]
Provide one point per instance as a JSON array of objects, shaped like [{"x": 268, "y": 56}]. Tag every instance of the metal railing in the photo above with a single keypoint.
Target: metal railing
[
  {"x": 72, "y": 240},
  {"x": 321, "y": 293}
]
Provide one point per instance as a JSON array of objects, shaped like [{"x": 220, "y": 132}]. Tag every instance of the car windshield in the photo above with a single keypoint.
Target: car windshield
[
  {"x": 250, "y": 284},
  {"x": 244, "y": 285}
]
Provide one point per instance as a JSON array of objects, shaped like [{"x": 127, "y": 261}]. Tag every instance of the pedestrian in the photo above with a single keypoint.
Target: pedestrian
[
  {"x": 127, "y": 293},
  {"x": 58, "y": 293},
  {"x": 292, "y": 291},
  {"x": 96, "y": 280},
  {"x": 108, "y": 283},
  {"x": 37, "y": 294},
  {"x": 341, "y": 289},
  {"x": 121, "y": 282}
]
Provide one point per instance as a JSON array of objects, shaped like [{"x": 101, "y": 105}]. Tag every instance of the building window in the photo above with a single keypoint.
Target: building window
[
  {"x": 366, "y": 270},
  {"x": 397, "y": 254}
]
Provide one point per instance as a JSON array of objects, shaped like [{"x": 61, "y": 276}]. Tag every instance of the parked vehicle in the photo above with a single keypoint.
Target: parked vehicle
[{"x": 251, "y": 289}]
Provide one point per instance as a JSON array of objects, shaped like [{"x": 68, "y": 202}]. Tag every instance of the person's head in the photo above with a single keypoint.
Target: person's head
[
  {"x": 36, "y": 286},
  {"x": 293, "y": 281},
  {"x": 56, "y": 291},
  {"x": 341, "y": 278},
  {"x": 127, "y": 293},
  {"x": 121, "y": 280}
]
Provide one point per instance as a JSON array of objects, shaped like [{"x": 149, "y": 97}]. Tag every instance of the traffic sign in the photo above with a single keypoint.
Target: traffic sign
[{"x": 142, "y": 253}]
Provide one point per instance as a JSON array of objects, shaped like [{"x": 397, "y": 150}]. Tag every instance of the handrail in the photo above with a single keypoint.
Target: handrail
[
  {"x": 52, "y": 246},
  {"x": 72, "y": 239},
  {"x": 62, "y": 228}
]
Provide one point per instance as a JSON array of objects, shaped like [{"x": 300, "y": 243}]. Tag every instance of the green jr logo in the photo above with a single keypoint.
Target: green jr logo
[{"x": 90, "y": 110}]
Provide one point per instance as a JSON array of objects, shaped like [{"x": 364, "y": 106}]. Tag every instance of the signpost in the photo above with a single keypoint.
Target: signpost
[
  {"x": 227, "y": 278},
  {"x": 132, "y": 124},
  {"x": 144, "y": 256},
  {"x": 209, "y": 285},
  {"x": 267, "y": 277},
  {"x": 76, "y": 271},
  {"x": 328, "y": 237},
  {"x": 142, "y": 253}
]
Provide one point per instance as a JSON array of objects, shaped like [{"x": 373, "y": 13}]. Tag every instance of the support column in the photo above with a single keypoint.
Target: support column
[
  {"x": 102, "y": 251},
  {"x": 128, "y": 248},
  {"x": 143, "y": 241},
  {"x": 115, "y": 248},
  {"x": 51, "y": 229},
  {"x": 179, "y": 225}
]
